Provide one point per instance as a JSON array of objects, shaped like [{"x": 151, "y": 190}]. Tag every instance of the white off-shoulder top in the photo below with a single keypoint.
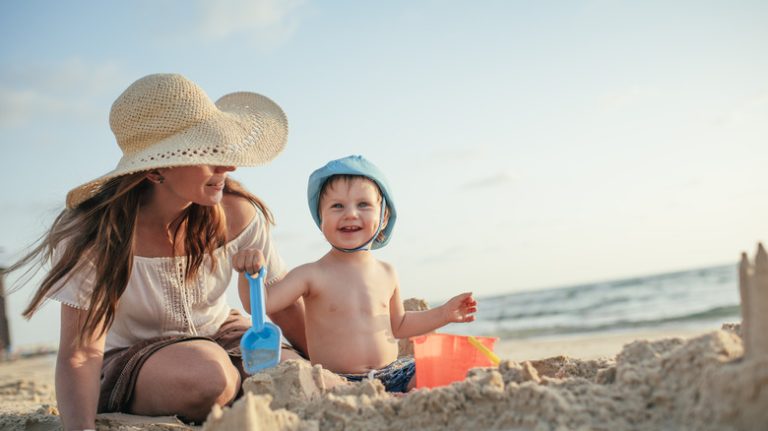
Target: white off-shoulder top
[{"x": 157, "y": 301}]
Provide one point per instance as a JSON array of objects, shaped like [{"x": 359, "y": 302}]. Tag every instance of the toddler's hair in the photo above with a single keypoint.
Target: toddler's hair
[{"x": 348, "y": 178}]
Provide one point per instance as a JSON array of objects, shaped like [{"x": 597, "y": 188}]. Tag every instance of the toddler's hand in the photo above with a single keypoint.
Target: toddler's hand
[
  {"x": 460, "y": 308},
  {"x": 249, "y": 260}
]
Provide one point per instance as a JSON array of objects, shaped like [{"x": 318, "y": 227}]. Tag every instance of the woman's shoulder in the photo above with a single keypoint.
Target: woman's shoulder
[{"x": 239, "y": 212}]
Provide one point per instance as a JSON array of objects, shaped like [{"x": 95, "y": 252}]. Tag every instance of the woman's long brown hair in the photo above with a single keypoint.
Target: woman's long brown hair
[{"x": 98, "y": 236}]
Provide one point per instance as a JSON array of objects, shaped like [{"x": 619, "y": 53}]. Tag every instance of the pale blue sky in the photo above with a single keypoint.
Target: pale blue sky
[{"x": 529, "y": 144}]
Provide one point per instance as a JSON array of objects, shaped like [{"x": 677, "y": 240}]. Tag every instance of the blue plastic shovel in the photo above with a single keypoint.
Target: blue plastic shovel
[{"x": 260, "y": 345}]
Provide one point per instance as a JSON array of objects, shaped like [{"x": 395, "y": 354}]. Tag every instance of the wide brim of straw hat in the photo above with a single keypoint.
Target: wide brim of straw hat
[{"x": 246, "y": 129}]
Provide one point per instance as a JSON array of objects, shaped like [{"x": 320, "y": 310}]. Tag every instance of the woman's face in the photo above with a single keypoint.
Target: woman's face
[{"x": 202, "y": 184}]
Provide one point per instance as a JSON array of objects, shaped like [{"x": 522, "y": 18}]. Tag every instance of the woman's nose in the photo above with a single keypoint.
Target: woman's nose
[{"x": 220, "y": 169}]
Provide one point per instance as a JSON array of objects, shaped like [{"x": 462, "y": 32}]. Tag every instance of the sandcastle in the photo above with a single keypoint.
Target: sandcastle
[
  {"x": 753, "y": 287},
  {"x": 714, "y": 382}
]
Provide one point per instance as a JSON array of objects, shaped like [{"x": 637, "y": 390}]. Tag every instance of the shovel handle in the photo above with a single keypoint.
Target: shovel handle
[
  {"x": 257, "y": 298},
  {"x": 495, "y": 360}
]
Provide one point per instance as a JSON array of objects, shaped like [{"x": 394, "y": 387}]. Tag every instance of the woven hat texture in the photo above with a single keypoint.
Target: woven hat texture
[{"x": 166, "y": 120}]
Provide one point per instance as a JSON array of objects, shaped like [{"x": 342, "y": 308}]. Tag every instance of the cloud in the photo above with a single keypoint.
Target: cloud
[
  {"x": 19, "y": 106},
  {"x": 461, "y": 155},
  {"x": 495, "y": 180},
  {"x": 267, "y": 23},
  {"x": 752, "y": 109},
  {"x": 71, "y": 89},
  {"x": 626, "y": 97}
]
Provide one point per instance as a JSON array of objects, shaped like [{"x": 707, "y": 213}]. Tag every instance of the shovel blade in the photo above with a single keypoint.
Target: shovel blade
[{"x": 261, "y": 349}]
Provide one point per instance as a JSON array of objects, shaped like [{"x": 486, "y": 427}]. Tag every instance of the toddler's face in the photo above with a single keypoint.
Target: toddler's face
[{"x": 349, "y": 212}]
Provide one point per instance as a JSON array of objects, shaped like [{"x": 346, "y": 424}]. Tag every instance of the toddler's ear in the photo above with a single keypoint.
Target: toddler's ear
[
  {"x": 380, "y": 236},
  {"x": 386, "y": 218}
]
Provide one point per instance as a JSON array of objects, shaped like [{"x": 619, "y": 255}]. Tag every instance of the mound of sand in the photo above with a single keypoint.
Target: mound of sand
[
  {"x": 701, "y": 384},
  {"x": 704, "y": 383}
]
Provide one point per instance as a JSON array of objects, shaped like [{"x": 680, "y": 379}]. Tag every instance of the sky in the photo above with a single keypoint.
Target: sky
[{"x": 528, "y": 144}]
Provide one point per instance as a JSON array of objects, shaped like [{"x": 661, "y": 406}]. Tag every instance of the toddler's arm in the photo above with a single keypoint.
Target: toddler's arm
[
  {"x": 284, "y": 293},
  {"x": 406, "y": 324}
]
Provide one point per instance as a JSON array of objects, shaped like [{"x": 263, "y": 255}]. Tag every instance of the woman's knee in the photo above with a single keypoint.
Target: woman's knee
[
  {"x": 186, "y": 379},
  {"x": 214, "y": 383}
]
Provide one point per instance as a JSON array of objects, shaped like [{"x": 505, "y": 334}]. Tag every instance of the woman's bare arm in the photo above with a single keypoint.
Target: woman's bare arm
[{"x": 78, "y": 371}]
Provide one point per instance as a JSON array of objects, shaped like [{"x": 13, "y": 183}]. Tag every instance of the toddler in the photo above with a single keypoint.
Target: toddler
[{"x": 353, "y": 308}]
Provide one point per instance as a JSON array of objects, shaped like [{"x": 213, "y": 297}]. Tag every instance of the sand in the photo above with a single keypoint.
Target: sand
[
  {"x": 702, "y": 382},
  {"x": 28, "y": 401},
  {"x": 589, "y": 346},
  {"x": 716, "y": 381}
]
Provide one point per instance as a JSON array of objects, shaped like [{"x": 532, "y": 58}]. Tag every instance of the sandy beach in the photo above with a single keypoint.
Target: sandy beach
[
  {"x": 585, "y": 346},
  {"x": 649, "y": 379}
]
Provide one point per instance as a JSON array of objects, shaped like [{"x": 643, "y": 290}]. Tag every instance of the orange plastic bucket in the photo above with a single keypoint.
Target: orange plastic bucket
[{"x": 445, "y": 358}]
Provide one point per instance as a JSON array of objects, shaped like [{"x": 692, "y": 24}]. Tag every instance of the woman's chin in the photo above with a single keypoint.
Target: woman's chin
[{"x": 209, "y": 201}]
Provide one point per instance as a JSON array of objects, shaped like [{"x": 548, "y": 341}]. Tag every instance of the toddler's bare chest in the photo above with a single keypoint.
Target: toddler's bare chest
[{"x": 354, "y": 298}]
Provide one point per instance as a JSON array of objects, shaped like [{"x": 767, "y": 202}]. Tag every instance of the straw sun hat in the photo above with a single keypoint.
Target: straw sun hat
[{"x": 166, "y": 120}]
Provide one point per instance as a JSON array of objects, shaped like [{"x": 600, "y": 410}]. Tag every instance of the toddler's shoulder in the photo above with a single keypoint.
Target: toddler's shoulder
[
  {"x": 387, "y": 267},
  {"x": 306, "y": 271}
]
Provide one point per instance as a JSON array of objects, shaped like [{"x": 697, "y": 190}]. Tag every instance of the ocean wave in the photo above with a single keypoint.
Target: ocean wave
[
  {"x": 683, "y": 297},
  {"x": 715, "y": 313}
]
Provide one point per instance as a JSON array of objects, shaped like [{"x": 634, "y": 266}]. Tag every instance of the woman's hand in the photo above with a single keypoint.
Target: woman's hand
[
  {"x": 460, "y": 308},
  {"x": 248, "y": 260}
]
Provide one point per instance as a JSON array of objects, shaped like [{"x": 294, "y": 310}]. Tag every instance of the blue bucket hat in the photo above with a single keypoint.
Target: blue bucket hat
[{"x": 352, "y": 165}]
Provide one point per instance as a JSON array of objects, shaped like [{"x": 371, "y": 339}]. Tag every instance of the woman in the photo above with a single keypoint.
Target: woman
[{"x": 141, "y": 257}]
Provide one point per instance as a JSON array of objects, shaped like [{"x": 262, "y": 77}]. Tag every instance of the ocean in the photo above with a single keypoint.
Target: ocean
[{"x": 699, "y": 298}]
